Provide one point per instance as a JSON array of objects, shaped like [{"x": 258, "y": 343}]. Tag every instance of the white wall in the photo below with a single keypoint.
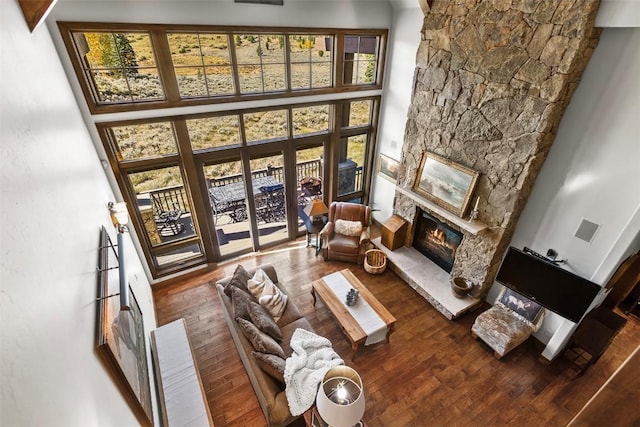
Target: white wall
[
  {"x": 404, "y": 38},
  {"x": 592, "y": 172},
  {"x": 618, "y": 13},
  {"x": 53, "y": 199},
  {"x": 593, "y": 168}
]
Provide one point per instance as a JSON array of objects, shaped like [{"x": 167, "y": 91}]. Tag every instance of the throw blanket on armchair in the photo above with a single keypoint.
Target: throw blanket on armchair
[{"x": 304, "y": 370}]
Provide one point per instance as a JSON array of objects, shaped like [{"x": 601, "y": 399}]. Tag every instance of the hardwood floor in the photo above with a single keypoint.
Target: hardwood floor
[{"x": 431, "y": 373}]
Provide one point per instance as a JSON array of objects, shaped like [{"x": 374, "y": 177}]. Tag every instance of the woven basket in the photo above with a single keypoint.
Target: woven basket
[{"x": 375, "y": 261}]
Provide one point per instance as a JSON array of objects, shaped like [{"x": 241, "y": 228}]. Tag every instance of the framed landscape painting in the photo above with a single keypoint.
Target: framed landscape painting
[
  {"x": 445, "y": 183},
  {"x": 388, "y": 168},
  {"x": 120, "y": 336}
]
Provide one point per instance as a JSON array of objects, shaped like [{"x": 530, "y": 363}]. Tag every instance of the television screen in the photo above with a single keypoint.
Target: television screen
[{"x": 553, "y": 287}]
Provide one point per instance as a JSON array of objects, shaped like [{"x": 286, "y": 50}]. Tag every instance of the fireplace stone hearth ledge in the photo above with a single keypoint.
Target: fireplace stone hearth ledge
[{"x": 428, "y": 279}]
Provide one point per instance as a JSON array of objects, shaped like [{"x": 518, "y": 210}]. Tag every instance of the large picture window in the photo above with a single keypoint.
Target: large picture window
[
  {"x": 204, "y": 183},
  {"x": 202, "y": 64},
  {"x": 118, "y": 67},
  {"x": 126, "y": 67}
]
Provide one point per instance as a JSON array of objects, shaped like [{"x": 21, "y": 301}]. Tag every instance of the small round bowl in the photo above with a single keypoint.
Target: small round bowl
[{"x": 460, "y": 287}]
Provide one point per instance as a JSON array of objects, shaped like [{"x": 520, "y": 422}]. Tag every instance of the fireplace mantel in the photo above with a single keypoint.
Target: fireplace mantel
[{"x": 474, "y": 227}]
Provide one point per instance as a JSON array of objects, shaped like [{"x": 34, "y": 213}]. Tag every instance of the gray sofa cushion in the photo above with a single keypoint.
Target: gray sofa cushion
[
  {"x": 271, "y": 364},
  {"x": 238, "y": 279},
  {"x": 263, "y": 320},
  {"x": 261, "y": 342},
  {"x": 240, "y": 301}
]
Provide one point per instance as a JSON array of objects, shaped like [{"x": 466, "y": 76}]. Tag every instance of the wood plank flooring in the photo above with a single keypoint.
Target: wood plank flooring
[{"x": 431, "y": 373}]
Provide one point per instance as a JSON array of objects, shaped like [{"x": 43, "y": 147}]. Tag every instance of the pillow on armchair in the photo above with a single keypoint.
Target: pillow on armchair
[{"x": 348, "y": 228}]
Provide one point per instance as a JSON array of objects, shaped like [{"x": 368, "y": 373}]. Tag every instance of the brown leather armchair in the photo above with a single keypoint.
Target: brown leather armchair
[{"x": 341, "y": 247}]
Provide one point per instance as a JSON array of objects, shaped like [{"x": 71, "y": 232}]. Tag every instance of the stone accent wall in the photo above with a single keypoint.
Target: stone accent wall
[{"x": 491, "y": 83}]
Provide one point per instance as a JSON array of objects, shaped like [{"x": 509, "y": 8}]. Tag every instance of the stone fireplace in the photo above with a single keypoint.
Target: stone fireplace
[
  {"x": 435, "y": 239},
  {"x": 491, "y": 83}
]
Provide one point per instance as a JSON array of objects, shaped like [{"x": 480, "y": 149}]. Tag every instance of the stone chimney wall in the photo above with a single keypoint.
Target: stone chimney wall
[{"x": 491, "y": 83}]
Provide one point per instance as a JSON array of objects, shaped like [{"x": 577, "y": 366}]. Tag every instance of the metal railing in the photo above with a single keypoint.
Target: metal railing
[
  {"x": 307, "y": 168},
  {"x": 171, "y": 198}
]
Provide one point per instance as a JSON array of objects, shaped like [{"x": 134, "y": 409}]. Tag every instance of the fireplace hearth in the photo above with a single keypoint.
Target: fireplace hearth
[{"x": 436, "y": 240}]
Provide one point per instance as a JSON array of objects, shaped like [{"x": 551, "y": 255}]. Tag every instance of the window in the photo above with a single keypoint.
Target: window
[
  {"x": 162, "y": 203},
  {"x": 265, "y": 125},
  {"x": 142, "y": 141},
  {"x": 118, "y": 67},
  {"x": 360, "y": 113},
  {"x": 208, "y": 183},
  {"x": 142, "y": 66},
  {"x": 211, "y": 132},
  {"x": 311, "y": 61},
  {"x": 309, "y": 120},
  {"x": 355, "y": 148},
  {"x": 261, "y": 65},
  {"x": 360, "y": 58},
  {"x": 202, "y": 64}
]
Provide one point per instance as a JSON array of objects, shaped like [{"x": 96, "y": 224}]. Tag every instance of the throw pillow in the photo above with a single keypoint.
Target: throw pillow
[
  {"x": 240, "y": 302},
  {"x": 239, "y": 280},
  {"x": 273, "y": 300},
  {"x": 263, "y": 320},
  {"x": 267, "y": 294},
  {"x": 526, "y": 309},
  {"x": 348, "y": 228},
  {"x": 259, "y": 340},
  {"x": 271, "y": 364},
  {"x": 257, "y": 283}
]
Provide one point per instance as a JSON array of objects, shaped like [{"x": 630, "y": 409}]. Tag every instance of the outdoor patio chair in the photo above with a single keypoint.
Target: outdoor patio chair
[{"x": 167, "y": 220}]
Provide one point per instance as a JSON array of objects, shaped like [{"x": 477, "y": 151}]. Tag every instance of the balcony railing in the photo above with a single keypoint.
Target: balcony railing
[
  {"x": 307, "y": 168},
  {"x": 170, "y": 199},
  {"x": 174, "y": 197}
]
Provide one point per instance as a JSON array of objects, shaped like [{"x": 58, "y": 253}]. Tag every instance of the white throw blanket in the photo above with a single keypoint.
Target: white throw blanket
[{"x": 304, "y": 370}]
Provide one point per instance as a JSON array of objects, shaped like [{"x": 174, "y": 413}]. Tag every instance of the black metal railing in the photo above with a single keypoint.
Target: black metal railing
[
  {"x": 303, "y": 169},
  {"x": 170, "y": 199},
  {"x": 174, "y": 197}
]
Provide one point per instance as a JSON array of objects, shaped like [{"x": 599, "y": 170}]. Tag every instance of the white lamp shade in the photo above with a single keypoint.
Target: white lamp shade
[{"x": 340, "y": 399}]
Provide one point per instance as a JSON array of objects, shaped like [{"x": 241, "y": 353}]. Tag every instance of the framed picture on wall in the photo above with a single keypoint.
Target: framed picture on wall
[
  {"x": 446, "y": 183},
  {"x": 388, "y": 168},
  {"x": 120, "y": 335}
]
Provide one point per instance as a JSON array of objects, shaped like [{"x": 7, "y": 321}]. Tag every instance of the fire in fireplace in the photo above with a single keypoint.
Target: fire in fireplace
[{"x": 436, "y": 240}]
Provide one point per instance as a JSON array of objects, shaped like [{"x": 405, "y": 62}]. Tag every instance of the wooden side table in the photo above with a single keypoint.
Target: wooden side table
[
  {"x": 394, "y": 232},
  {"x": 315, "y": 228}
]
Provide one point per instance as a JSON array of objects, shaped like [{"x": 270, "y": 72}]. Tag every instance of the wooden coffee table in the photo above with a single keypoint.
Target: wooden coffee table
[{"x": 340, "y": 312}]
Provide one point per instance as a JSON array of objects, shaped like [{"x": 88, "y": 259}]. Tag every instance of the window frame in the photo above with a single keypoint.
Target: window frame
[
  {"x": 189, "y": 161},
  {"x": 164, "y": 63}
]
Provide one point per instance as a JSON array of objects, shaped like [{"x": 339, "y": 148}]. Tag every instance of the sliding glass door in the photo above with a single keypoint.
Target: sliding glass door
[
  {"x": 269, "y": 196},
  {"x": 226, "y": 194}
]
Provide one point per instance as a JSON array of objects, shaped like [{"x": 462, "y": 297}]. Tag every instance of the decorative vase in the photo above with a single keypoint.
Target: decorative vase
[
  {"x": 352, "y": 297},
  {"x": 460, "y": 287}
]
